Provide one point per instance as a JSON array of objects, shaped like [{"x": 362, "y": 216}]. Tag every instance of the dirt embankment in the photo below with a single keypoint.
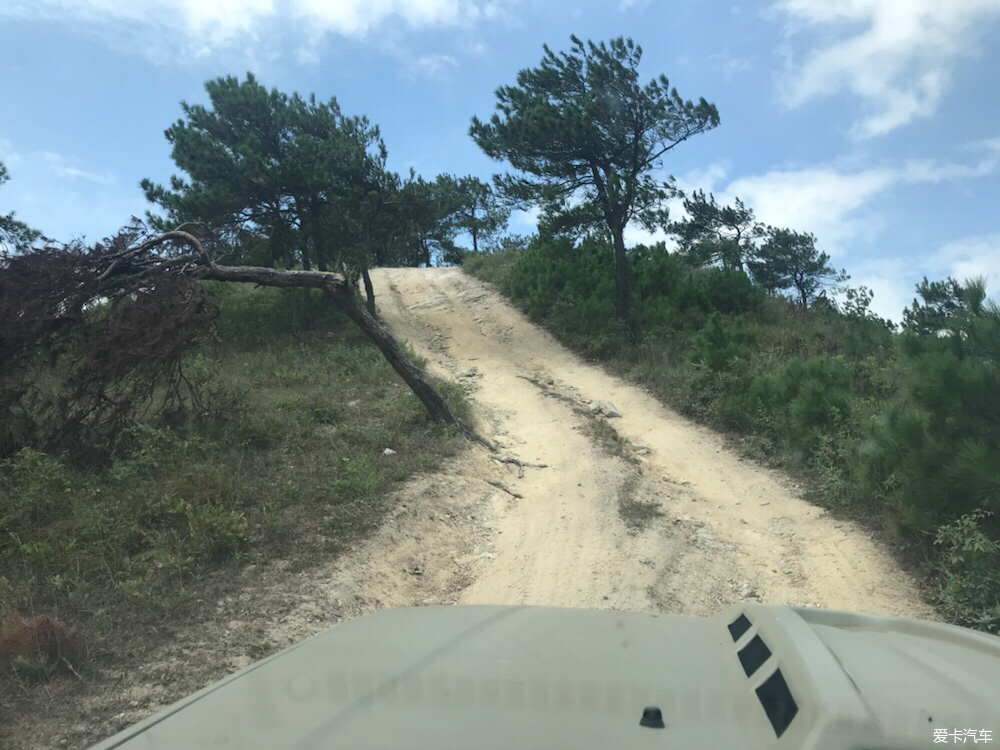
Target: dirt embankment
[{"x": 664, "y": 519}]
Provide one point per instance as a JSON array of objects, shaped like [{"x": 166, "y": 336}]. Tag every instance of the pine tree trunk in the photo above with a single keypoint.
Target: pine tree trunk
[
  {"x": 621, "y": 276},
  {"x": 337, "y": 288},
  {"x": 369, "y": 290},
  {"x": 621, "y": 285}
]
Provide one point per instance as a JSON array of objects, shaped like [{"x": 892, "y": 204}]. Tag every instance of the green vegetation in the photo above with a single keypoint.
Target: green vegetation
[
  {"x": 899, "y": 429},
  {"x": 138, "y": 453},
  {"x": 287, "y": 181},
  {"x": 586, "y": 136},
  {"x": 286, "y": 461}
]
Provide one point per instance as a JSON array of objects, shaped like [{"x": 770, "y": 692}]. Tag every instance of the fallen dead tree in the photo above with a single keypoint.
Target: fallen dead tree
[{"x": 44, "y": 292}]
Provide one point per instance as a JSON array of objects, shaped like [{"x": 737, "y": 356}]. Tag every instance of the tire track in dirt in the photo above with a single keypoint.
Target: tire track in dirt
[{"x": 728, "y": 530}]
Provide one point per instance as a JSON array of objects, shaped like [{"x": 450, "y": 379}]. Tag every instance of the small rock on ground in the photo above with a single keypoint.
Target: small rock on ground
[{"x": 606, "y": 408}]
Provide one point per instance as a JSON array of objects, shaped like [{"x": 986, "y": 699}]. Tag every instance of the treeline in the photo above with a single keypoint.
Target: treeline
[
  {"x": 281, "y": 180},
  {"x": 897, "y": 426}
]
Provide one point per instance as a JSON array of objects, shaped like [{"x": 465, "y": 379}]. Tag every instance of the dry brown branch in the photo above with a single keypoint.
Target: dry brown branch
[
  {"x": 520, "y": 464},
  {"x": 504, "y": 487},
  {"x": 40, "y": 641}
]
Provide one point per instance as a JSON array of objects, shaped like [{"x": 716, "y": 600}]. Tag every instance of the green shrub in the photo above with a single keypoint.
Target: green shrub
[
  {"x": 550, "y": 269},
  {"x": 801, "y": 401},
  {"x": 970, "y": 562},
  {"x": 732, "y": 292},
  {"x": 142, "y": 451},
  {"x": 493, "y": 266},
  {"x": 817, "y": 394},
  {"x": 937, "y": 449},
  {"x": 718, "y": 345},
  {"x": 34, "y": 491},
  {"x": 214, "y": 532},
  {"x": 253, "y": 318}
]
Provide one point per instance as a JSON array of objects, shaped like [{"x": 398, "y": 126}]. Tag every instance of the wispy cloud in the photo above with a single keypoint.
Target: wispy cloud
[
  {"x": 62, "y": 166},
  {"x": 839, "y": 204},
  {"x": 835, "y": 202},
  {"x": 434, "y": 64},
  {"x": 728, "y": 64},
  {"x": 526, "y": 221},
  {"x": 177, "y": 29},
  {"x": 896, "y": 55},
  {"x": 56, "y": 194},
  {"x": 893, "y": 279},
  {"x": 8, "y": 155},
  {"x": 968, "y": 257}
]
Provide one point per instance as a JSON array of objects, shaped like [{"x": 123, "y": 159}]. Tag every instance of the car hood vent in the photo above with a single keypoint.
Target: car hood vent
[{"x": 773, "y": 693}]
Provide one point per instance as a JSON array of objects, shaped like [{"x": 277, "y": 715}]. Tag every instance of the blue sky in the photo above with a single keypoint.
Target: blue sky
[{"x": 874, "y": 124}]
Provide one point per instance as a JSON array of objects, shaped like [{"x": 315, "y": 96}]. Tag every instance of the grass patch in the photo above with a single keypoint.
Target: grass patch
[
  {"x": 608, "y": 439},
  {"x": 637, "y": 514}
]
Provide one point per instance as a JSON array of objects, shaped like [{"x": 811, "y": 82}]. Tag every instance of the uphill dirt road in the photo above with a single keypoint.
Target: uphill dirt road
[{"x": 667, "y": 520}]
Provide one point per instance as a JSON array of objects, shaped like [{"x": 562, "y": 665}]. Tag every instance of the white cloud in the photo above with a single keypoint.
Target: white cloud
[
  {"x": 358, "y": 17},
  {"x": 47, "y": 193},
  {"x": 834, "y": 202},
  {"x": 730, "y": 65},
  {"x": 893, "y": 280},
  {"x": 433, "y": 64},
  {"x": 969, "y": 257},
  {"x": 169, "y": 30},
  {"x": 59, "y": 166},
  {"x": 896, "y": 55},
  {"x": 837, "y": 203},
  {"x": 635, "y": 234},
  {"x": 890, "y": 280},
  {"x": 8, "y": 155},
  {"x": 703, "y": 179},
  {"x": 822, "y": 200},
  {"x": 526, "y": 221},
  {"x": 476, "y": 48}
]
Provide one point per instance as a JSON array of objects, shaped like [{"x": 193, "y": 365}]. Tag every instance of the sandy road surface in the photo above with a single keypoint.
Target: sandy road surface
[{"x": 728, "y": 530}]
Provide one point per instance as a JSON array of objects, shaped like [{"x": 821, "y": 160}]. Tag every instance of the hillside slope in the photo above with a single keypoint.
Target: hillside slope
[{"x": 646, "y": 512}]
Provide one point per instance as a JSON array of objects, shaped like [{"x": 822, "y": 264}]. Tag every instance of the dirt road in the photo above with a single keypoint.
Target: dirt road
[
  {"x": 712, "y": 529},
  {"x": 680, "y": 524}
]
